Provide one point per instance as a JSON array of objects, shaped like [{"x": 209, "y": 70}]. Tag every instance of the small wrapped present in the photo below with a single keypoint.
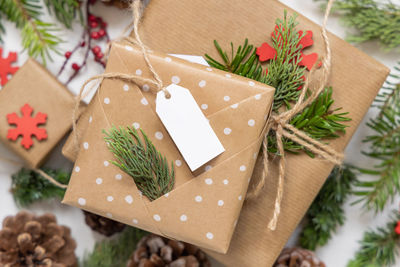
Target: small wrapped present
[
  {"x": 35, "y": 113},
  {"x": 204, "y": 205}
]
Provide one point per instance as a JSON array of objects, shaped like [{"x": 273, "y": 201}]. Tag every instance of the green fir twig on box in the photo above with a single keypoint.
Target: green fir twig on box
[
  {"x": 28, "y": 186},
  {"x": 384, "y": 147},
  {"x": 318, "y": 120},
  {"x": 326, "y": 213},
  {"x": 114, "y": 252},
  {"x": 373, "y": 19},
  {"x": 141, "y": 160},
  {"x": 379, "y": 247}
]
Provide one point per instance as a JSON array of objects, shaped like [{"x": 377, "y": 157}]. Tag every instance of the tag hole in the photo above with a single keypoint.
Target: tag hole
[{"x": 168, "y": 95}]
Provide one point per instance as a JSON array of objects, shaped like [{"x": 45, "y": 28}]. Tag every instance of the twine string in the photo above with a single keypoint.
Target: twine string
[{"x": 283, "y": 129}]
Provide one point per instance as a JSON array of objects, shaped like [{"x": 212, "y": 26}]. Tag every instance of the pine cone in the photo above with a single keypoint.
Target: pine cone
[
  {"x": 103, "y": 225},
  {"x": 118, "y": 3},
  {"x": 28, "y": 240},
  {"x": 156, "y": 251},
  {"x": 298, "y": 257}
]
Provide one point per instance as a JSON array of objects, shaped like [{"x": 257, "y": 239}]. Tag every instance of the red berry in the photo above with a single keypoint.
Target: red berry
[
  {"x": 92, "y": 18},
  {"x": 68, "y": 54},
  {"x": 92, "y": 2},
  {"x": 76, "y": 67},
  {"x": 99, "y": 55},
  {"x": 95, "y": 35},
  {"x": 83, "y": 44},
  {"x": 96, "y": 50},
  {"x": 102, "y": 32},
  {"x": 104, "y": 25},
  {"x": 94, "y": 24}
]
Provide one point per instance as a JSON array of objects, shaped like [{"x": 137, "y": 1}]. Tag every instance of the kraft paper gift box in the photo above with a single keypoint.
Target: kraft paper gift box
[
  {"x": 204, "y": 205},
  {"x": 189, "y": 27},
  {"x": 35, "y": 86}
]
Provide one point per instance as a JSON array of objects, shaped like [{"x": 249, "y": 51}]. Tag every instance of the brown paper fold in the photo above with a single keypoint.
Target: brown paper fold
[
  {"x": 34, "y": 85},
  {"x": 204, "y": 205},
  {"x": 189, "y": 27}
]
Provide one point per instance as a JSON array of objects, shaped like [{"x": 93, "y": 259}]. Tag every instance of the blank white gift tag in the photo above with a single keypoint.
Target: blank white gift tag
[{"x": 187, "y": 126}]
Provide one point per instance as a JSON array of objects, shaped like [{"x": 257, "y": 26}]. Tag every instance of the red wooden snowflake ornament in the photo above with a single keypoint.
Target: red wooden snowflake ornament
[
  {"x": 5, "y": 66},
  {"x": 27, "y": 126}
]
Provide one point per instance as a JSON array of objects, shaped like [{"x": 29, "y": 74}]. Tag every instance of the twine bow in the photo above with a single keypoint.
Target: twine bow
[{"x": 280, "y": 123}]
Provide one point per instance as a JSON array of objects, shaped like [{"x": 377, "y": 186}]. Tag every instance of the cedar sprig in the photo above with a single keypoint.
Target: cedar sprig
[
  {"x": 379, "y": 247},
  {"x": 38, "y": 37},
  {"x": 284, "y": 74},
  {"x": 29, "y": 187},
  {"x": 374, "y": 20},
  {"x": 318, "y": 120},
  {"x": 326, "y": 213},
  {"x": 115, "y": 252},
  {"x": 141, "y": 160},
  {"x": 384, "y": 147}
]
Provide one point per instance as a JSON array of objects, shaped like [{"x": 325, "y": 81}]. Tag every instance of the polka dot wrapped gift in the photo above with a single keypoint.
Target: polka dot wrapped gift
[{"x": 204, "y": 205}]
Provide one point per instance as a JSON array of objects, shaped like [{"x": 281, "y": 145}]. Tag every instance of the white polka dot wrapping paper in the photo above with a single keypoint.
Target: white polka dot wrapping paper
[{"x": 204, "y": 205}]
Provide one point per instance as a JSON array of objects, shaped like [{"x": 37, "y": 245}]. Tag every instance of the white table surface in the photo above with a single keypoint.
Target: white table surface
[{"x": 336, "y": 253}]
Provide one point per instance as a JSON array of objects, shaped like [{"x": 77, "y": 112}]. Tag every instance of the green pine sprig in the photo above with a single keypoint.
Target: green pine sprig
[
  {"x": 64, "y": 10},
  {"x": 318, "y": 120},
  {"x": 244, "y": 62},
  {"x": 115, "y": 252},
  {"x": 379, "y": 247},
  {"x": 141, "y": 160},
  {"x": 38, "y": 37},
  {"x": 384, "y": 147},
  {"x": 28, "y": 186},
  {"x": 374, "y": 20},
  {"x": 326, "y": 213}
]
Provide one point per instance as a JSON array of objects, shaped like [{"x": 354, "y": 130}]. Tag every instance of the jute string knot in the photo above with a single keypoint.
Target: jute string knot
[{"x": 280, "y": 123}]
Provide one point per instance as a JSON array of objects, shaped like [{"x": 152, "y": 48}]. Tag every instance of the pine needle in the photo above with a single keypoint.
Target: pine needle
[
  {"x": 38, "y": 37},
  {"x": 374, "y": 20},
  {"x": 116, "y": 252},
  {"x": 384, "y": 148},
  {"x": 379, "y": 248},
  {"x": 29, "y": 187},
  {"x": 141, "y": 160},
  {"x": 326, "y": 213}
]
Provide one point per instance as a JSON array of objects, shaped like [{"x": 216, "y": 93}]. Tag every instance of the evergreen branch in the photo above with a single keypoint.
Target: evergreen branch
[
  {"x": 284, "y": 74},
  {"x": 148, "y": 168},
  {"x": 374, "y": 20},
  {"x": 318, "y": 120},
  {"x": 115, "y": 252},
  {"x": 385, "y": 148},
  {"x": 37, "y": 36},
  {"x": 326, "y": 213},
  {"x": 379, "y": 248},
  {"x": 29, "y": 187},
  {"x": 64, "y": 10},
  {"x": 244, "y": 62}
]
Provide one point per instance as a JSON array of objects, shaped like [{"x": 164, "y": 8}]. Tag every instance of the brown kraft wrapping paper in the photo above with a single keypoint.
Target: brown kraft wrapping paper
[
  {"x": 189, "y": 27},
  {"x": 34, "y": 85},
  {"x": 204, "y": 206}
]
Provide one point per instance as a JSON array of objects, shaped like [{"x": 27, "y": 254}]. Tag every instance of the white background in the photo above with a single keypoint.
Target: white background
[{"x": 336, "y": 253}]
